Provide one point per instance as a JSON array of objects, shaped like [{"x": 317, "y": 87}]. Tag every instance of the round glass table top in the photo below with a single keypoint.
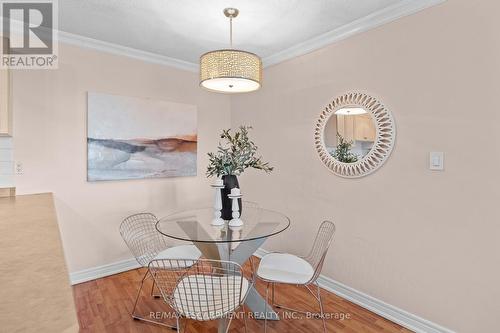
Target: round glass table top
[{"x": 195, "y": 225}]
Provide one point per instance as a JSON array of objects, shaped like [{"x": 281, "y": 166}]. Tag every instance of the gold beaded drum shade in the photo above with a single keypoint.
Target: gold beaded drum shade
[{"x": 230, "y": 71}]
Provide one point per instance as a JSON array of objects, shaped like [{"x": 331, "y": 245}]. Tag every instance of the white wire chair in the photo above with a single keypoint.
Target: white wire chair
[
  {"x": 286, "y": 268},
  {"x": 146, "y": 243},
  {"x": 207, "y": 290}
]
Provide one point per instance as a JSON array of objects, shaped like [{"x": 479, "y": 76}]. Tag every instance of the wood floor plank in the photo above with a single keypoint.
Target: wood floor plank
[{"x": 104, "y": 305}]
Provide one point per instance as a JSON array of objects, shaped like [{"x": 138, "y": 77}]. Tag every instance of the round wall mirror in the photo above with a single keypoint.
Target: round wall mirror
[{"x": 354, "y": 135}]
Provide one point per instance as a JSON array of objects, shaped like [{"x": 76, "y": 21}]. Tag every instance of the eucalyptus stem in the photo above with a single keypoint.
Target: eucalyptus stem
[{"x": 235, "y": 153}]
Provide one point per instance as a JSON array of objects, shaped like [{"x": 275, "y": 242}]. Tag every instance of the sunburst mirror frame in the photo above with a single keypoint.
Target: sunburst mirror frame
[{"x": 382, "y": 147}]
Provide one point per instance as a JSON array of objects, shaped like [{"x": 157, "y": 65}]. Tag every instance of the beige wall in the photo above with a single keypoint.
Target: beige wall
[
  {"x": 424, "y": 241},
  {"x": 50, "y": 140}
]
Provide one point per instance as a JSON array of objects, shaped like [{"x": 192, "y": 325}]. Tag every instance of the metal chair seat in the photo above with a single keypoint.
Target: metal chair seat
[
  {"x": 288, "y": 268},
  {"x": 210, "y": 289},
  {"x": 196, "y": 295},
  {"x": 285, "y": 268},
  {"x": 147, "y": 244},
  {"x": 181, "y": 252}
]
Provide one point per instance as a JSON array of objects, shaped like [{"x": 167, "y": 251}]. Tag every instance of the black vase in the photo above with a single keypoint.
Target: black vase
[{"x": 230, "y": 182}]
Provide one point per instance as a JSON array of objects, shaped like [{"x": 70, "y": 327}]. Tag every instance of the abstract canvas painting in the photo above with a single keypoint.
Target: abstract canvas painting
[{"x": 136, "y": 138}]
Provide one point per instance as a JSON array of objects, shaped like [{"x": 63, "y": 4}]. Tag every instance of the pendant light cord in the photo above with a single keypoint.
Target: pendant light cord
[
  {"x": 231, "y": 13},
  {"x": 231, "y": 32}
]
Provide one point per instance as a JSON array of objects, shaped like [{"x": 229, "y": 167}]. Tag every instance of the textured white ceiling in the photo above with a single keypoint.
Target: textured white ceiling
[{"x": 184, "y": 29}]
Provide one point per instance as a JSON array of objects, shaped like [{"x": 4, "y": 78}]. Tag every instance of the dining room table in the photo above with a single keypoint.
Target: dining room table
[{"x": 227, "y": 243}]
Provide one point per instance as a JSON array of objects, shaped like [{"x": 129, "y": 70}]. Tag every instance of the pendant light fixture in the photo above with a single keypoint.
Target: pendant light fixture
[{"x": 230, "y": 70}]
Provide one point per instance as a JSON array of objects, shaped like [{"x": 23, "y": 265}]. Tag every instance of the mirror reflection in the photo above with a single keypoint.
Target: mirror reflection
[{"x": 349, "y": 134}]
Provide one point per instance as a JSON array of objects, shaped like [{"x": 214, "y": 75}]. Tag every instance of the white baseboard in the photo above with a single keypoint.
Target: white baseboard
[
  {"x": 388, "y": 311},
  {"x": 103, "y": 271}
]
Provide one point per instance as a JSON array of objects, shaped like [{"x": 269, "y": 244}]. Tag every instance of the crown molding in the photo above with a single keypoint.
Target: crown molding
[
  {"x": 363, "y": 24},
  {"x": 116, "y": 49},
  {"x": 112, "y": 48}
]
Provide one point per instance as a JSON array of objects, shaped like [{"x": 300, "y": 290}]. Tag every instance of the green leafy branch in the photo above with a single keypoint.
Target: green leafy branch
[
  {"x": 235, "y": 154},
  {"x": 343, "y": 151}
]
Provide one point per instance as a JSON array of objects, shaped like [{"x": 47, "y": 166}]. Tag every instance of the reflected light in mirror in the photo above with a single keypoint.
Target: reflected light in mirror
[{"x": 350, "y": 111}]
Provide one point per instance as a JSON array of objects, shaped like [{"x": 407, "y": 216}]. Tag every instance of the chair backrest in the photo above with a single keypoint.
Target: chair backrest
[
  {"x": 140, "y": 234},
  {"x": 320, "y": 247},
  {"x": 204, "y": 290}
]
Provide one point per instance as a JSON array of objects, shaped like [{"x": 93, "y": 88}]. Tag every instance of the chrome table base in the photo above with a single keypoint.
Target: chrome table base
[{"x": 239, "y": 254}]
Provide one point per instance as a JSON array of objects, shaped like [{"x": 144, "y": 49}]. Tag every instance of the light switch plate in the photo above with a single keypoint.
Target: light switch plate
[
  {"x": 19, "y": 168},
  {"x": 436, "y": 160}
]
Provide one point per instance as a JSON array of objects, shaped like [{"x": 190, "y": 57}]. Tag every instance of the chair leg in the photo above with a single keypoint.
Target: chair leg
[
  {"x": 135, "y": 317},
  {"x": 153, "y": 290},
  {"x": 272, "y": 294},
  {"x": 139, "y": 294},
  {"x": 265, "y": 308},
  {"x": 244, "y": 316},
  {"x": 321, "y": 307},
  {"x": 315, "y": 314},
  {"x": 177, "y": 322},
  {"x": 252, "y": 267},
  {"x": 229, "y": 324}
]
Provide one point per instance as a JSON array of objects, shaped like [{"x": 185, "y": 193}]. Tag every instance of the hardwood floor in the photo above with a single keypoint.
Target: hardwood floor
[{"x": 104, "y": 305}]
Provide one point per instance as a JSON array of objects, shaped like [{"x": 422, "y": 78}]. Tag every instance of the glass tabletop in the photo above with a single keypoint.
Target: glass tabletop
[{"x": 195, "y": 225}]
